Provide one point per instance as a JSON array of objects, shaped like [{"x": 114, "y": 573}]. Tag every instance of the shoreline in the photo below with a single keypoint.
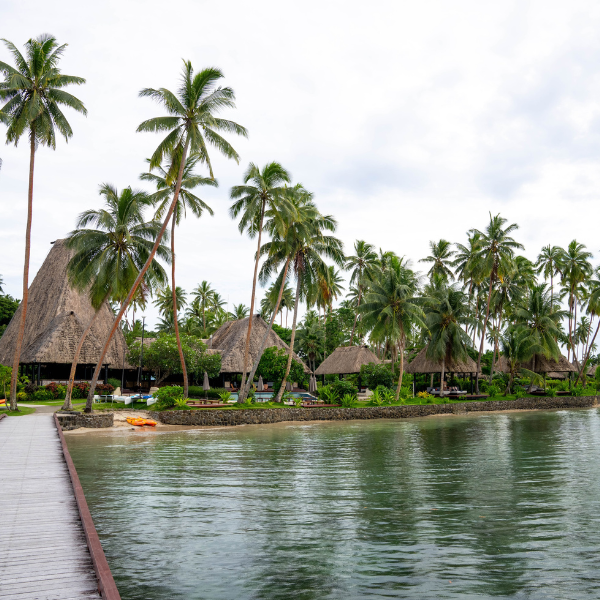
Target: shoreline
[{"x": 199, "y": 420}]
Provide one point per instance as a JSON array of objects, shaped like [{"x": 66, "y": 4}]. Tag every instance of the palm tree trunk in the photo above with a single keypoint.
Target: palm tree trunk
[
  {"x": 485, "y": 322},
  {"x": 587, "y": 355},
  {"x": 139, "y": 279},
  {"x": 401, "y": 368},
  {"x": 442, "y": 376},
  {"x": 570, "y": 327},
  {"x": 356, "y": 315},
  {"x": 17, "y": 357},
  {"x": 67, "y": 404},
  {"x": 175, "y": 323},
  {"x": 247, "y": 346},
  {"x": 244, "y": 391},
  {"x": 291, "y": 352}
]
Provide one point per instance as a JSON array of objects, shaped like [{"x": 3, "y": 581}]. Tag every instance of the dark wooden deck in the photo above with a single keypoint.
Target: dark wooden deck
[{"x": 44, "y": 553}]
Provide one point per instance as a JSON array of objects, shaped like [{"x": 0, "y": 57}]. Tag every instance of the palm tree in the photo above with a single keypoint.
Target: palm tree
[
  {"x": 262, "y": 191},
  {"x": 287, "y": 302},
  {"x": 548, "y": 264},
  {"x": 446, "y": 312},
  {"x": 203, "y": 296},
  {"x": 1, "y": 284},
  {"x": 240, "y": 311},
  {"x": 363, "y": 265},
  {"x": 391, "y": 310},
  {"x": 495, "y": 254},
  {"x": 440, "y": 257},
  {"x": 190, "y": 124},
  {"x": 593, "y": 310},
  {"x": 518, "y": 347},
  {"x": 165, "y": 190},
  {"x": 108, "y": 257},
  {"x": 34, "y": 91},
  {"x": 310, "y": 338},
  {"x": 168, "y": 302},
  {"x": 575, "y": 268}
]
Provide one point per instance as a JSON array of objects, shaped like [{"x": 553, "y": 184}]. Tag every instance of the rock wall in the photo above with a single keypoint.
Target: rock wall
[
  {"x": 69, "y": 422},
  {"x": 213, "y": 417}
]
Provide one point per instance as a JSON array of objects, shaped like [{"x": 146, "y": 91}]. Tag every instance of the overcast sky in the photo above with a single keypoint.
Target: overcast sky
[{"x": 410, "y": 121}]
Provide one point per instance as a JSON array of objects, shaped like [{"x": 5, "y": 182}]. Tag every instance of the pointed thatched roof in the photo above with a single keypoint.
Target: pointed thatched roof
[
  {"x": 230, "y": 339},
  {"x": 422, "y": 364},
  {"x": 542, "y": 365},
  {"x": 346, "y": 359},
  {"x": 57, "y": 315}
]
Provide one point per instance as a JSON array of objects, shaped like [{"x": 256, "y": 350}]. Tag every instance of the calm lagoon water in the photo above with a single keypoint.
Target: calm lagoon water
[{"x": 487, "y": 506}]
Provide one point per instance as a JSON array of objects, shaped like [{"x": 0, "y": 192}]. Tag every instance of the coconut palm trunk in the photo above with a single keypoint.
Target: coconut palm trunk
[
  {"x": 485, "y": 322},
  {"x": 21, "y": 334},
  {"x": 442, "y": 376},
  {"x": 291, "y": 352},
  {"x": 587, "y": 354},
  {"x": 398, "y": 388},
  {"x": 266, "y": 336},
  {"x": 69, "y": 394},
  {"x": 252, "y": 299},
  {"x": 175, "y": 322},
  {"x": 356, "y": 315},
  {"x": 139, "y": 279}
]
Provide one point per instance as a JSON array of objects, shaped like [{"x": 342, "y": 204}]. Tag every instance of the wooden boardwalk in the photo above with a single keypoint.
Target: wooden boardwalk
[{"x": 43, "y": 549}]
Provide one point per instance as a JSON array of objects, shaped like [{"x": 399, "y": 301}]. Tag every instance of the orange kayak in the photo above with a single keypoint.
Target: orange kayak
[{"x": 139, "y": 422}]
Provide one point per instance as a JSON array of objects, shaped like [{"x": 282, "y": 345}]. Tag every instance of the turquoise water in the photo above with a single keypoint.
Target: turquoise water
[{"x": 489, "y": 506}]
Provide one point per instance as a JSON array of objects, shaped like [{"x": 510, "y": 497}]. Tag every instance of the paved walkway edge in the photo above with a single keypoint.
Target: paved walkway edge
[{"x": 106, "y": 584}]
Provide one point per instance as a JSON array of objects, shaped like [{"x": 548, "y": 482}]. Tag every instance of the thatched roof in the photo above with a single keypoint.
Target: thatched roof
[
  {"x": 346, "y": 359},
  {"x": 542, "y": 365},
  {"x": 57, "y": 315},
  {"x": 422, "y": 364},
  {"x": 230, "y": 339}
]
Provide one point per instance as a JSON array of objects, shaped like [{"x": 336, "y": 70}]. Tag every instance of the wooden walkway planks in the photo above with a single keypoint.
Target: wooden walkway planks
[{"x": 44, "y": 554}]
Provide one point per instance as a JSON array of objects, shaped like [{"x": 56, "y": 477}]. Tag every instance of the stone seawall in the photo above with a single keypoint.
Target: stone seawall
[
  {"x": 69, "y": 422},
  {"x": 216, "y": 417}
]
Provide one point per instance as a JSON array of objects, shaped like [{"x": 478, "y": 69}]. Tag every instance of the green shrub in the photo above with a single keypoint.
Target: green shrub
[
  {"x": 43, "y": 394},
  {"x": 376, "y": 398},
  {"x": 493, "y": 391},
  {"x": 348, "y": 401},
  {"x": 21, "y": 396},
  {"x": 329, "y": 394},
  {"x": 551, "y": 392},
  {"x": 196, "y": 391},
  {"x": 167, "y": 397},
  {"x": 373, "y": 375},
  {"x": 343, "y": 387},
  {"x": 405, "y": 392},
  {"x": 519, "y": 390},
  {"x": 80, "y": 390},
  {"x": 114, "y": 382},
  {"x": 225, "y": 396},
  {"x": 578, "y": 390}
]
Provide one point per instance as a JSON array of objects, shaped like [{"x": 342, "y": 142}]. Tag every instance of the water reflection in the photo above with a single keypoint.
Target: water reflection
[{"x": 490, "y": 506}]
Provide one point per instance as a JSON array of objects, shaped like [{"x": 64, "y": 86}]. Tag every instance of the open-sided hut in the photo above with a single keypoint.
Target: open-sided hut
[
  {"x": 57, "y": 315},
  {"x": 540, "y": 364},
  {"x": 346, "y": 359},
  {"x": 422, "y": 364},
  {"x": 230, "y": 340}
]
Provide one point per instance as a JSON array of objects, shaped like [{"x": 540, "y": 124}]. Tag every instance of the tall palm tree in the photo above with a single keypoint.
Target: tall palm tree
[
  {"x": 548, "y": 264},
  {"x": 310, "y": 338},
  {"x": 203, "y": 296},
  {"x": 363, "y": 264},
  {"x": 575, "y": 268},
  {"x": 240, "y": 311},
  {"x": 440, "y": 259},
  {"x": 287, "y": 302},
  {"x": 34, "y": 91},
  {"x": 446, "y": 312},
  {"x": 495, "y": 253},
  {"x": 165, "y": 190},
  {"x": 109, "y": 255},
  {"x": 594, "y": 310},
  {"x": 168, "y": 302},
  {"x": 191, "y": 124},
  {"x": 517, "y": 348},
  {"x": 262, "y": 190}
]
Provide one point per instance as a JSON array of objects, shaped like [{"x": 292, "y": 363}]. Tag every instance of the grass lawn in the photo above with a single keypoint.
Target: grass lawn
[
  {"x": 49, "y": 402},
  {"x": 23, "y": 410}
]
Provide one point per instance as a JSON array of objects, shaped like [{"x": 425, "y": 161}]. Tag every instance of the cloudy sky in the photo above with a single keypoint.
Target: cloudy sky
[{"x": 410, "y": 121}]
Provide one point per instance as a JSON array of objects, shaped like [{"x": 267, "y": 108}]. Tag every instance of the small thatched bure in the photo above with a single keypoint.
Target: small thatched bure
[
  {"x": 230, "y": 340},
  {"x": 57, "y": 315},
  {"x": 346, "y": 359},
  {"x": 540, "y": 365},
  {"x": 422, "y": 364}
]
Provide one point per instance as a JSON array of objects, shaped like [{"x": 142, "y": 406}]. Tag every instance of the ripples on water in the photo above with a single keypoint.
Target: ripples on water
[{"x": 491, "y": 506}]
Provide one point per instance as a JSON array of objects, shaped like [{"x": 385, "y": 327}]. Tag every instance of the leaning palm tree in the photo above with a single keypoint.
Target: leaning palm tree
[
  {"x": 191, "y": 124},
  {"x": 165, "y": 190},
  {"x": 109, "y": 255},
  {"x": 34, "y": 91},
  {"x": 440, "y": 259},
  {"x": 495, "y": 254},
  {"x": 391, "y": 309},
  {"x": 263, "y": 190},
  {"x": 548, "y": 264},
  {"x": 363, "y": 265}
]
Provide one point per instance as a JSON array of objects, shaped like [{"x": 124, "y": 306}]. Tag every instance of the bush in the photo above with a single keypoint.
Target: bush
[
  {"x": 551, "y": 392},
  {"x": 168, "y": 396},
  {"x": 196, "y": 391},
  {"x": 578, "y": 390},
  {"x": 21, "y": 396},
  {"x": 103, "y": 389},
  {"x": 373, "y": 375},
  {"x": 31, "y": 388},
  {"x": 328, "y": 393},
  {"x": 348, "y": 401},
  {"x": 519, "y": 390},
  {"x": 43, "y": 394},
  {"x": 114, "y": 382},
  {"x": 80, "y": 391},
  {"x": 343, "y": 387},
  {"x": 376, "y": 399},
  {"x": 225, "y": 396},
  {"x": 58, "y": 391},
  {"x": 493, "y": 391}
]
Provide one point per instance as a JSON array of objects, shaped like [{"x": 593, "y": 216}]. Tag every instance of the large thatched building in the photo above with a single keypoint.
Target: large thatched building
[
  {"x": 346, "y": 359},
  {"x": 422, "y": 364},
  {"x": 540, "y": 364},
  {"x": 57, "y": 315},
  {"x": 230, "y": 339}
]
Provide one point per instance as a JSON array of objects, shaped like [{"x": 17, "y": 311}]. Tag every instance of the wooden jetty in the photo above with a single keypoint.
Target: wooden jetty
[{"x": 49, "y": 548}]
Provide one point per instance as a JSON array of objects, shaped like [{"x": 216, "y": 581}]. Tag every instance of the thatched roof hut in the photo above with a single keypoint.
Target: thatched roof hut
[
  {"x": 230, "y": 340},
  {"x": 541, "y": 365},
  {"x": 57, "y": 315},
  {"x": 422, "y": 364},
  {"x": 346, "y": 359}
]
